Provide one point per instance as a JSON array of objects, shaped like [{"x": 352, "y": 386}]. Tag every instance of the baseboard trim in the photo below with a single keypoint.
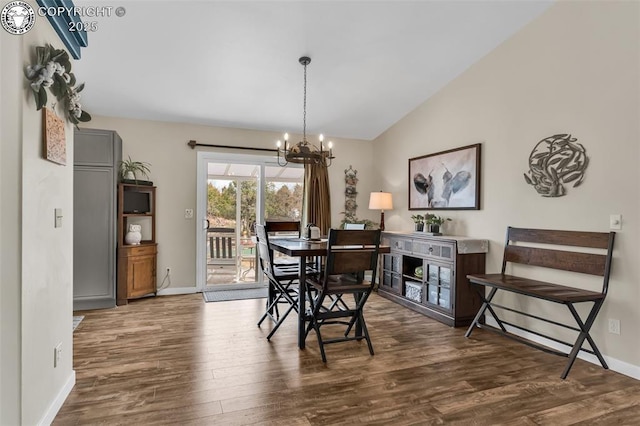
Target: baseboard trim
[
  {"x": 56, "y": 404},
  {"x": 616, "y": 365},
  {"x": 94, "y": 303},
  {"x": 172, "y": 291}
]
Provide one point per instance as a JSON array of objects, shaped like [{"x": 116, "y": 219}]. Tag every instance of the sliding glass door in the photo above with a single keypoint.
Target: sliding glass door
[
  {"x": 231, "y": 213},
  {"x": 234, "y": 193}
]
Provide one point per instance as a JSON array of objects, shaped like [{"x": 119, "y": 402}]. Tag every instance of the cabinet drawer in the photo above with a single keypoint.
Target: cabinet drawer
[
  {"x": 438, "y": 250},
  {"x": 400, "y": 245},
  {"x": 141, "y": 250}
]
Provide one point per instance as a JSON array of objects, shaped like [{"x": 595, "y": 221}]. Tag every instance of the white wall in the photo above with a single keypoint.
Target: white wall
[
  {"x": 10, "y": 239},
  {"x": 573, "y": 70},
  {"x": 37, "y": 264},
  {"x": 173, "y": 171}
]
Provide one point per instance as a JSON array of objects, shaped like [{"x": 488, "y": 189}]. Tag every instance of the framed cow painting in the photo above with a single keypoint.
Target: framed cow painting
[{"x": 447, "y": 180}]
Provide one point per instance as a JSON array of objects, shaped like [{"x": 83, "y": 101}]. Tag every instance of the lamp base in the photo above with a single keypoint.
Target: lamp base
[{"x": 382, "y": 220}]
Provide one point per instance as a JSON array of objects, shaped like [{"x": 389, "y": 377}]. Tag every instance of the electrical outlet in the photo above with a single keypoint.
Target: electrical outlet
[
  {"x": 57, "y": 355},
  {"x": 614, "y": 326},
  {"x": 168, "y": 270},
  {"x": 188, "y": 213}
]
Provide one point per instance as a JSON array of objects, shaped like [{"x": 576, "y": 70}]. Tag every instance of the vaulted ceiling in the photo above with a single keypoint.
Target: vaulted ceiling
[{"x": 236, "y": 64}]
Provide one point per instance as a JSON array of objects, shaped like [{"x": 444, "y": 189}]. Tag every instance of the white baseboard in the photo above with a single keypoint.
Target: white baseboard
[
  {"x": 55, "y": 406},
  {"x": 172, "y": 291},
  {"x": 616, "y": 365}
]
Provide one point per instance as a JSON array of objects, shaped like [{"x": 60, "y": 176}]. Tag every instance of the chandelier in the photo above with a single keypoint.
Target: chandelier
[{"x": 304, "y": 152}]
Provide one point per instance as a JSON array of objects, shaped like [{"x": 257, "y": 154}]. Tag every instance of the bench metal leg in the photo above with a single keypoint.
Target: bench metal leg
[
  {"x": 483, "y": 308},
  {"x": 495, "y": 317},
  {"x": 584, "y": 334}
]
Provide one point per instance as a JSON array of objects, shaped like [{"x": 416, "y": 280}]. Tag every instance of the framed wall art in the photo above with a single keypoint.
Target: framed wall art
[
  {"x": 54, "y": 140},
  {"x": 447, "y": 180}
]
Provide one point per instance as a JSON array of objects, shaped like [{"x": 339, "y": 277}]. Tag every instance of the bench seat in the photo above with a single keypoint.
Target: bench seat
[
  {"x": 540, "y": 289},
  {"x": 590, "y": 254}
]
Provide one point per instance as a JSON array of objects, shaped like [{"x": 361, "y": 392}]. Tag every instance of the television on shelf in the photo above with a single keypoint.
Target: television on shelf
[{"x": 136, "y": 202}]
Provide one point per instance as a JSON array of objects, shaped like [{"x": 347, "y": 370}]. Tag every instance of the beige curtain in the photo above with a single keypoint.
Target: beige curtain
[{"x": 317, "y": 199}]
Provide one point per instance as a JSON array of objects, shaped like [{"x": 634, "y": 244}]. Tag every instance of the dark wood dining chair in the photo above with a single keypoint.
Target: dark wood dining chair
[
  {"x": 283, "y": 228},
  {"x": 282, "y": 282},
  {"x": 359, "y": 226},
  {"x": 350, "y": 253}
]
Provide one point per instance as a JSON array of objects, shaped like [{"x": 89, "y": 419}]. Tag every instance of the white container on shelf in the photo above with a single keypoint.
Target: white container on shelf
[{"x": 413, "y": 291}]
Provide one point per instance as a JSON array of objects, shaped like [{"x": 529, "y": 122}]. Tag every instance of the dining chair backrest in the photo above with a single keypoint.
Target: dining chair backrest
[
  {"x": 354, "y": 226},
  {"x": 352, "y": 251},
  {"x": 282, "y": 227},
  {"x": 264, "y": 253}
]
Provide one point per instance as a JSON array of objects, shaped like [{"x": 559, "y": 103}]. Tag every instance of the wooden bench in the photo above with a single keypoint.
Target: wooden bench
[{"x": 519, "y": 250}]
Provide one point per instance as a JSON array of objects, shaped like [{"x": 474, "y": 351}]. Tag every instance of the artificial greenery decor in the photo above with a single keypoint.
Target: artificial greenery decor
[
  {"x": 432, "y": 219},
  {"x": 52, "y": 70},
  {"x": 434, "y": 223},
  {"x": 130, "y": 168},
  {"x": 417, "y": 218}
]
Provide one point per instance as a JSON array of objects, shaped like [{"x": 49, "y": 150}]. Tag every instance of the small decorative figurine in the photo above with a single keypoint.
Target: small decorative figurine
[{"x": 134, "y": 236}]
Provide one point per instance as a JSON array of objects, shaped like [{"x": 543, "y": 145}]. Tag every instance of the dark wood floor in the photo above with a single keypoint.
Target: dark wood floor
[{"x": 177, "y": 360}]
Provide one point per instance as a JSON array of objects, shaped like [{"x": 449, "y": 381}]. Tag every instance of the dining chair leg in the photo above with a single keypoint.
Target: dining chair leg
[
  {"x": 365, "y": 332},
  {"x": 268, "y": 312},
  {"x": 336, "y": 302},
  {"x": 279, "y": 322},
  {"x": 316, "y": 326},
  {"x": 274, "y": 299}
]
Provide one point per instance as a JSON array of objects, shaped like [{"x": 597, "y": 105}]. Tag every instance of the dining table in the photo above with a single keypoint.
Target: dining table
[{"x": 303, "y": 249}]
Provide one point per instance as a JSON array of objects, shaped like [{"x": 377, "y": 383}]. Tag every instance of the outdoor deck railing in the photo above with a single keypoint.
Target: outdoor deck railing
[{"x": 221, "y": 245}]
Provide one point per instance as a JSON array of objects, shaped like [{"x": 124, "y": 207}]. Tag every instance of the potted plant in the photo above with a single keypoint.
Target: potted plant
[
  {"x": 130, "y": 170},
  {"x": 418, "y": 219},
  {"x": 434, "y": 222}
]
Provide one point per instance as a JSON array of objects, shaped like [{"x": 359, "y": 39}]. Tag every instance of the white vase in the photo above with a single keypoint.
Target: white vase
[{"x": 134, "y": 236}]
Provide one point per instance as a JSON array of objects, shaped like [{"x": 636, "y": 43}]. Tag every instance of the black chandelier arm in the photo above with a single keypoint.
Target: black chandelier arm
[{"x": 284, "y": 156}]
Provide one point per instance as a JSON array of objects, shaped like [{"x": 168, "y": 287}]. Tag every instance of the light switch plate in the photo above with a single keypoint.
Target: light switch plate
[
  {"x": 58, "y": 218},
  {"x": 615, "y": 221}
]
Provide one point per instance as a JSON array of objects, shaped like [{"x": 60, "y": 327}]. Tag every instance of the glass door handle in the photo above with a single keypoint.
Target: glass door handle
[{"x": 206, "y": 224}]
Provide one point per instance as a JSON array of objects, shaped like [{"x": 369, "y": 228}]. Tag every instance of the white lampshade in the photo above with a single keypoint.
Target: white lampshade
[{"x": 380, "y": 201}]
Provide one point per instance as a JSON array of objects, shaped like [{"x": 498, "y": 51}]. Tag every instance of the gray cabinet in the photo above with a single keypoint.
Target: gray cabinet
[
  {"x": 97, "y": 154},
  {"x": 429, "y": 274}
]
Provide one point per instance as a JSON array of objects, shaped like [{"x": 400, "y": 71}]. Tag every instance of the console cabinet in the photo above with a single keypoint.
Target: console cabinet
[
  {"x": 137, "y": 264},
  {"x": 428, "y": 274},
  {"x": 136, "y": 272}
]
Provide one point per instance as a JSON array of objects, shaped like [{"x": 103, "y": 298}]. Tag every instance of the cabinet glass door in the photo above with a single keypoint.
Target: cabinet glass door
[
  {"x": 391, "y": 276},
  {"x": 439, "y": 285}
]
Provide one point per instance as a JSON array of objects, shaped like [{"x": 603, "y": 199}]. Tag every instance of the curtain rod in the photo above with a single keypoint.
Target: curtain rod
[{"x": 193, "y": 145}]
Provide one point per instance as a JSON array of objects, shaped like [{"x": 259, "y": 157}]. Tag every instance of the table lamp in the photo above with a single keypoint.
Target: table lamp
[{"x": 381, "y": 201}]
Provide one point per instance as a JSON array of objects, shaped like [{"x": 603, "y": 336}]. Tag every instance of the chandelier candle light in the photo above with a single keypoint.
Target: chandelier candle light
[
  {"x": 381, "y": 201},
  {"x": 305, "y": 152}
]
